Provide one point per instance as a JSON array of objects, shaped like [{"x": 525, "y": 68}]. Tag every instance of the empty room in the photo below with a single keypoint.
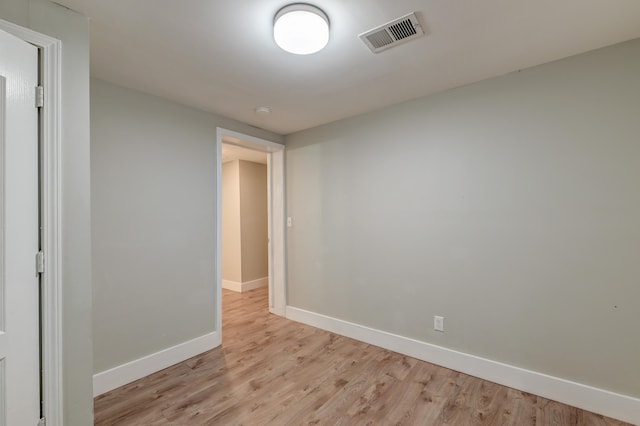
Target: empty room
[{"x": 448, "y": 228}]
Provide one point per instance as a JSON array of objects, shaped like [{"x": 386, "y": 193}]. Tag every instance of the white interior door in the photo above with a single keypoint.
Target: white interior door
[{"x": 19, "y": 284}]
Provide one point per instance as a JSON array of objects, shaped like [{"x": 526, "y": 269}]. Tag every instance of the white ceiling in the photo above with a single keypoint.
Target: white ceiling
[{"x": 220, "y": 56}]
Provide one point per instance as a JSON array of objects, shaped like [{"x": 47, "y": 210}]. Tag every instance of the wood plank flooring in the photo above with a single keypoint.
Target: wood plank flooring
[{"x": 272, "y": 371}]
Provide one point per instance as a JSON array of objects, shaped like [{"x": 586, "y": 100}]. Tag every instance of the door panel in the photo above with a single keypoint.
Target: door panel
[{"x": 19, "y": 283}]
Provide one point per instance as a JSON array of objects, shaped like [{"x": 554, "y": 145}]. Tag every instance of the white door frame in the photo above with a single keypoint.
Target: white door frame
[
  {"x": 276, "y": 223},
  {"x": 51, "y": 215}
]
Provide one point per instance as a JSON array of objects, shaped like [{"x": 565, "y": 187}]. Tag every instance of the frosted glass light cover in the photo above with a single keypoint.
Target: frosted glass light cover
[{"x": 301, "y": 29}]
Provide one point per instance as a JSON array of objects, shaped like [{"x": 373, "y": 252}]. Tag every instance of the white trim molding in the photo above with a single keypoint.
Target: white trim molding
[
  {"x": 50, "y": 50},
  {"x": 245, "y": 286},
  {"x": 277, "y": 236},
  {"x": 218, "y": 259},
  {"x": 586, "y": 397},
  {"x": 131, "y": 371}
]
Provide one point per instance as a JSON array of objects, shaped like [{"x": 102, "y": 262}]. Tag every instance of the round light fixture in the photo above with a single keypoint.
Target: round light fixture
[{"x": 301, "y": 29}]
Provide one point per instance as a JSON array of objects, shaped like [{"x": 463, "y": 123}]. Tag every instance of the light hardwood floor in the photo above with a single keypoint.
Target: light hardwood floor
[{"x": 272, "y": 371}]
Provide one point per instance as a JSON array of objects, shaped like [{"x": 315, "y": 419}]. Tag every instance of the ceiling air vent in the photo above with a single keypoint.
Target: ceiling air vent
[{"x": 392, "y": 33}]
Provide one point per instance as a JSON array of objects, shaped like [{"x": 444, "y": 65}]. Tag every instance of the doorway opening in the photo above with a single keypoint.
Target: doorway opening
[
  {"x": 237, "y": 143},
  {"x": 244, "y": 219}
]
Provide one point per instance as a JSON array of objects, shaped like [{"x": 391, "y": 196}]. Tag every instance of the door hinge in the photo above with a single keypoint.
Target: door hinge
[
  {"x": 39, "y": 96},
  {"x": 42, "y": 422},
  {"x": 39, "y": 262}
]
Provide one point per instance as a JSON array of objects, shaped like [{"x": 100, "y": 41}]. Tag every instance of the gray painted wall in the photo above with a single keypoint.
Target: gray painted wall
[
  {"x": 73, "y": 30},
  {"x": 153, "y": 222},
  {"x": 231, "y": 224},
  {"x": 510, "y": 207},
  {"x": 244, "y": 221},
  {"x": 254, "y": 221}
]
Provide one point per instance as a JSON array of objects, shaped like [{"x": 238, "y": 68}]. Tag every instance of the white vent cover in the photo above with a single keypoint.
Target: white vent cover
[{"x": 392, "y": 33}]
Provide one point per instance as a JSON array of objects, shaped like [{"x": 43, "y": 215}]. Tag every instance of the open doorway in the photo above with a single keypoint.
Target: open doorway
[
  {"x": 245, "y": 259},
  {"x": 274, "y": 153}
]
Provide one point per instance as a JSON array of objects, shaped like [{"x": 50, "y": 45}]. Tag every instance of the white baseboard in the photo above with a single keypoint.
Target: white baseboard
[
  {"x": 246, "y": 286},
  {"x": 610, "y": 404},
  {"x": 142, "y": 367},
  {"x": 232, "y": 285}
]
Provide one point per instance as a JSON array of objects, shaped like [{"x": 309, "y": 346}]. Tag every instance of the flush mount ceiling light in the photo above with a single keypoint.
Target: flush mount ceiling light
[{"x": 301, "y": 29}]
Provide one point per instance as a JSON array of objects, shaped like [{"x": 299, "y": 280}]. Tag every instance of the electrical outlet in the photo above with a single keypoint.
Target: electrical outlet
[
  {"x": 438, "y": 323},
  {"x": 289, "y": 222}
]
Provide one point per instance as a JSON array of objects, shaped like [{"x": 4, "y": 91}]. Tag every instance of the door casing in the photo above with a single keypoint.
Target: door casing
[{"x": 276, "y": 222}]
